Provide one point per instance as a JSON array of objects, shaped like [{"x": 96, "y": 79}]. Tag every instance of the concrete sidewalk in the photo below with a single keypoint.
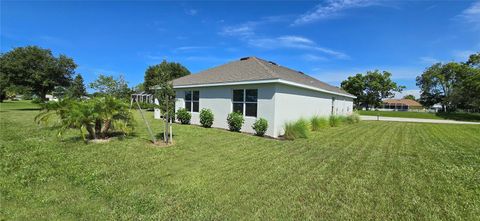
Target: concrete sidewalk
[{"x": 416, "y": 120}]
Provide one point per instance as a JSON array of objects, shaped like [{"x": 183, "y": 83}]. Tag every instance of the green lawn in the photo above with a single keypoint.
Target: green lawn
[
  {"x": 370, "y": 170},
  {"x": 424, "y": 115}
]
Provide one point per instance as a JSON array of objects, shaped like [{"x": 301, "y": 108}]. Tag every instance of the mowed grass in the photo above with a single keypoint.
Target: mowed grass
[
  {"x": 370, "y": 170},
  {"x": 424, "y": 115}
]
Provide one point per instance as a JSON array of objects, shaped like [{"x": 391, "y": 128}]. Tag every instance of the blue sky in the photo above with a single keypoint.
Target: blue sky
[{"x": 329, "y": 40}]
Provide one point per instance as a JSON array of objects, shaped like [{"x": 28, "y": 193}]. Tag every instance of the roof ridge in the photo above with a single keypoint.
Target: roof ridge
[{"x": 265, "y": 67}]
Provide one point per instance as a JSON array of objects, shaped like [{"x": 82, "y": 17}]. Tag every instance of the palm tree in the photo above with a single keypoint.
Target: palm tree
[{"x": 96, "y": 116}]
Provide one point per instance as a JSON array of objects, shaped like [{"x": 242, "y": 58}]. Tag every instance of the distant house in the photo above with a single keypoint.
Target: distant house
[
  {"x": 51, "y": 97},
  {"x": 259, "y": 89},
  {"x": 401, "y": 105}
]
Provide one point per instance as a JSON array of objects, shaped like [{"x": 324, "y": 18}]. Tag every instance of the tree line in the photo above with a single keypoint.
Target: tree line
[
  {"x": 34, "y": 70},
  {"x": 453, "y": 85}
]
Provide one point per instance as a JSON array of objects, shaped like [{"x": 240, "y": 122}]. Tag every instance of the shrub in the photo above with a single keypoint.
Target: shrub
[
  {"x": 37, "y": 101},
  {"x": 260, "y": 126},
  {"x": 353, "y": 118},
  {"x": 206, "y": 118},
  {"x": 184, "y": 116},
  {"x": 318, "y": 123},
  {"x": 235, "y": 121},
  {"x": 335, "y": 120},
  {"x": 95, "y": 117},
  {"x": 297, "y": 129}
]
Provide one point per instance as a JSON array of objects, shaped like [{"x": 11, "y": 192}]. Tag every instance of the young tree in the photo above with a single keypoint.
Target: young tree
[
  {"x": 77, "y": 88},
  {"x": 36, "y": 68},
  {"x": 371, "y": 88},
  {"x": 161, "y": 75},
  {"x": 108, "y": 85}
]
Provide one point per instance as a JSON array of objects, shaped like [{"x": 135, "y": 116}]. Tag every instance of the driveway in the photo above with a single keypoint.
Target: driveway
[{"x": 417, "y": 120}]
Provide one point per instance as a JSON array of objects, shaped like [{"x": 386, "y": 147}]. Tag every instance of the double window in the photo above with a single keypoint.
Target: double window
[
  {"x": 192, "y": 101},
  {"x": 245, "y": 101}
]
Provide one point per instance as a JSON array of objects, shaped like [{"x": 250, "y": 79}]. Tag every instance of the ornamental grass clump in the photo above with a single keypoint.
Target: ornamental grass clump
[
  {"x": 335, "y": 120},
  {"x": 353, "y": 118},
  {"x": 318, "y": 122},
  {"x": 235, "y": 121},
  {"x": 206, "y": 118},
  {"x": 260, "y": 126},
  {"x": 184, "y": 116},
  {"x": 297, "y": 129}
]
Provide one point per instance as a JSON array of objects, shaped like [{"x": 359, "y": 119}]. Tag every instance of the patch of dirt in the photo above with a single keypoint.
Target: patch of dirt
[
  {"x": 161, "y": 143},
  {"x": 100, "y": 140}
]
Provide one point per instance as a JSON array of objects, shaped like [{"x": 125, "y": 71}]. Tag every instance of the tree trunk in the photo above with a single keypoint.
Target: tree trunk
[
  {"x": 105, "y": 128},
  {"x": 42, "y": 95},
  {"x": 98, "y": 127},
  {"x": 91, "y": 132}
]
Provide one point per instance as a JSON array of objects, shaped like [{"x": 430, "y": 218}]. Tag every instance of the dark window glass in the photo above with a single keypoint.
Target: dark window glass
[
  {"x": 238, "y": 95},
  {"x": 195, "y": 106},
  {"x": 188, "y": 105},
  {"x": 238, "y": 107},
  {"x": 196, "y": 95},
  {"x": 251, "y": 95},
  {"x": 251, "y": 109},
  {"x": 188, "y": 95}
]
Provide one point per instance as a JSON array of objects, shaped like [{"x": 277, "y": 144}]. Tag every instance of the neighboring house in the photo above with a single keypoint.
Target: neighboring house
[
  {"x": 50, "y": 97},
  {"x": 259, "y": 89},
  {"x": 401, "y": 105}
]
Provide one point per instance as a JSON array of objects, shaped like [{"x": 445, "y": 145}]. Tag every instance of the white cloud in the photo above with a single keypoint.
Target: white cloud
[
  {"x": 190, "y": 48},
  {"x": 331, "y": 9},
  {"x": 248, "y": 28},
  {"x": 246, "y": 32},
  {"x": 296, "y": 42},
  {"x": 243, "y": 30},
  {"x": 472, "y": 14}
]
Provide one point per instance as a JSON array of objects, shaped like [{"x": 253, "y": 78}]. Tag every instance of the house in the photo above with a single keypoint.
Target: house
[
  {"x": 401, "y": 105},
  {"x": 259, "y": 89},
  {"x": 51, "y": 97}
]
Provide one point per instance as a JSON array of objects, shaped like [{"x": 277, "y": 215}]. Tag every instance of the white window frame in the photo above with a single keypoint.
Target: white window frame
[
  {"x": 244, "y": 102},
  {"x": 191, "y": 100}
]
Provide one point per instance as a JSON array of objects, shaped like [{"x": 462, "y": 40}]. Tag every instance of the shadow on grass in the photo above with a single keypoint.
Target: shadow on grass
[
  {"x": 21, "y": 109},
  {"x": 460, "y": 116},
  {"x": 116, "y": 135}
]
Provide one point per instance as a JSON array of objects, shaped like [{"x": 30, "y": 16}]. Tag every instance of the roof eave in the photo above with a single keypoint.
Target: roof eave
[{"x": 281, "y": 81}]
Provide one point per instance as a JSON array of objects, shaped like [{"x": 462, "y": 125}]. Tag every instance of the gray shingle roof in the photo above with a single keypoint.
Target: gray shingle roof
[{"x": 253, "y": 69}]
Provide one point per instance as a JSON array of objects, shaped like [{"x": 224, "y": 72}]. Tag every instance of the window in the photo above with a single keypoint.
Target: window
[
  {"x": 192, "y": 102},
  {"x": 245, "y": 102}
]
